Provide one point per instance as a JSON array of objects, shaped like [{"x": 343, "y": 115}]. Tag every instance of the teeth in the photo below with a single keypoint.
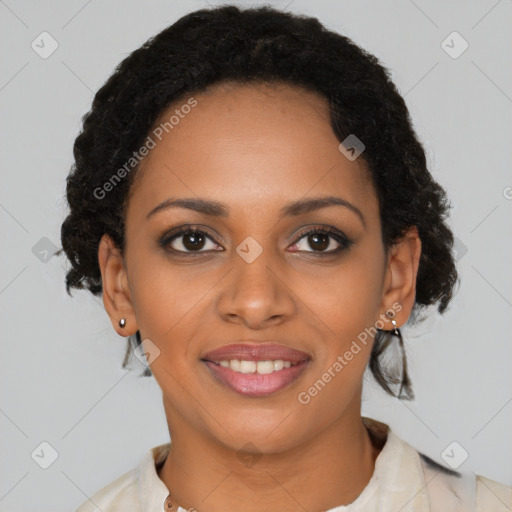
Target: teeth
[
  {"x": 248, "y": 366},
  {"x": 278, "y": 365},
  {"x": 264, "y": 367},
  {"x": 261, "y": 367}
]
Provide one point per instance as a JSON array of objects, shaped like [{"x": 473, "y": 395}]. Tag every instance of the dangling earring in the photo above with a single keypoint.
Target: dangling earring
[
  {"x": 122, "y": 322},
  {"x": 405, "y": 383}
]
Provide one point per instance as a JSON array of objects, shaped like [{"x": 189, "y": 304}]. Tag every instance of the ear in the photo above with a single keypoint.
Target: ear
[
  {"x": 399, "y": 287},
  {"x": 116, "y": 292}
]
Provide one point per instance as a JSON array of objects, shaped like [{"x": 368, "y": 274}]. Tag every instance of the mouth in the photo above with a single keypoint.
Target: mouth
[{"x": 256, "y": 370}]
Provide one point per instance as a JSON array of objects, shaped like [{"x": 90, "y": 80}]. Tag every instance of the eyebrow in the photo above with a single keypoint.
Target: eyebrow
[
  {"x": 212, "y": 208},
  {"x": 216, "y": 209}
]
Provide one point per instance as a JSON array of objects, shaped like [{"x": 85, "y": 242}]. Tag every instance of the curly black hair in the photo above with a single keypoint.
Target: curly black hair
[{"x": 263, "y": 45}]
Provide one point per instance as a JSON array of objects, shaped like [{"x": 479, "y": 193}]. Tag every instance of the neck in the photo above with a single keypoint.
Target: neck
[{"x": 329, "y": 470}]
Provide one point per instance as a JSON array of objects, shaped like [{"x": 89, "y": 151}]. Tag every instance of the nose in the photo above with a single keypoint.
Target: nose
[{"x": 256, "y": 294}]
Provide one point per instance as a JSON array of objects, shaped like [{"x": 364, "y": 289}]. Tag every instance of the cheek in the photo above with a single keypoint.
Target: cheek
[
  {"x": 168, "y": 304},
  {"x": 347, "y": 299}
]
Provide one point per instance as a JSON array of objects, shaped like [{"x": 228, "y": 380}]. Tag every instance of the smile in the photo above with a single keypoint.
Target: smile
[
  {"x": 261, "y": 367},
  {"x": 256, "y": 378},
  {"x": 256, "y": 369}
]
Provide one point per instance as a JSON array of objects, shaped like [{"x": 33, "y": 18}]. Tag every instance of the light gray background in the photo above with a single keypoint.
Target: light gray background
[{"x": 61, "y": 375}]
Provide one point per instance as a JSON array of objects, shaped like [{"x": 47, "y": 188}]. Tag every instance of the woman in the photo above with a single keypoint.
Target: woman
[{"x": 251, "y": 200}]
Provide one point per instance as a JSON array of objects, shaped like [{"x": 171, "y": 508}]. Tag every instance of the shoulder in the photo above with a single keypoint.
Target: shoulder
[
  {"x": 119, "y": 495},
  {"x": 421, "y": 484},
  {"x": 138, "y": 490},
  {"x": 465, "y": 492},
  {"x": 493, "y": 496}
]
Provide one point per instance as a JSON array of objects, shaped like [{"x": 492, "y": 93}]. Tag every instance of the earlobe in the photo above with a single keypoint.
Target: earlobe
[
  {"x": 401, "y": 274},
  {"x": 116, "y": 294}
]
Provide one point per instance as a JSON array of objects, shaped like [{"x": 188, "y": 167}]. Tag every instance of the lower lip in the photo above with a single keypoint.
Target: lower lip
[{"x": 255, "y": 384}]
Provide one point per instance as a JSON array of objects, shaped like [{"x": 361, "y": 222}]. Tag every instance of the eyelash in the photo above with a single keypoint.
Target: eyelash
[{"x": 339, "y": 237}]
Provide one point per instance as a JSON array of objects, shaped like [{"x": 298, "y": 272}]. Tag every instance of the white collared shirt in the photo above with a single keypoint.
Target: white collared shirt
[{"x": 403, "y": 481}]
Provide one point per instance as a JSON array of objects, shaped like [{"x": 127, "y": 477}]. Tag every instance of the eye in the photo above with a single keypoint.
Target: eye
[
  {"x": 188, "y": 240},
  {"x": 323, "y": 241}
]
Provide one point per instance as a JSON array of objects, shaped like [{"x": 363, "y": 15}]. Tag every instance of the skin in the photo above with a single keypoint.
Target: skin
[{"x": 256, "y": 148}]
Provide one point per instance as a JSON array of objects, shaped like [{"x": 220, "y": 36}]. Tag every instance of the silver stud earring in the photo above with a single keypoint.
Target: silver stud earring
[{"x": 122, "y": 322}]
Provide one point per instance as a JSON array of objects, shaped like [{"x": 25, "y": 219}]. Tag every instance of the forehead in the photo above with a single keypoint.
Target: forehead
[{"x": 249, "y": 146}]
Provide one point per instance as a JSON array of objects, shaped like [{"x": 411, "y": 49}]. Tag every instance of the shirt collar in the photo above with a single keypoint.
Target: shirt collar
[
  {"x": 152, "y": 491},
  {"x": 398, "y": 481},
  {"x": 398, "y": 476}
]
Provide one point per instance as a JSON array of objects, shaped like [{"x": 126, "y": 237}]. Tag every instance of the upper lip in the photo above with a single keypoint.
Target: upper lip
[{"x": 260, "y": 351}]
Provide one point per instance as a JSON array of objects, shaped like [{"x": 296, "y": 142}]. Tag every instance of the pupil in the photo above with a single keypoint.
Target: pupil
[
  {"x": 193, "y": 241},
  {"x": 323, "y": 244}
]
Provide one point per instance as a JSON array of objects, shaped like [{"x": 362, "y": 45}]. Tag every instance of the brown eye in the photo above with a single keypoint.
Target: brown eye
[
  {"x": 319, "y": 241},
  {"x": 189, "y": 241},
  {"x": 322, "y": 241},
  {"x": 193, "y": 241}
]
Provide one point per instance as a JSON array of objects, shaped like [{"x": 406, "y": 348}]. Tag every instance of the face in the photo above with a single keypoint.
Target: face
[{"x": 264, "y": 265}]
